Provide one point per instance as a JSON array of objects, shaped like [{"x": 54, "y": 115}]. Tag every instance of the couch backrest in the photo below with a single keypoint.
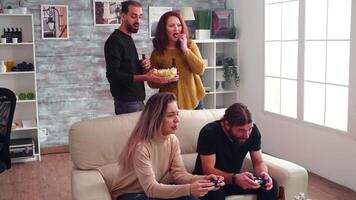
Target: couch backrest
[{"x": 97, "y": 142}]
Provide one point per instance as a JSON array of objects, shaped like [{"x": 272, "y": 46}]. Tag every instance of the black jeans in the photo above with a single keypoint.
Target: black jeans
[
  {"x": 142, "y": 196},
  {"x": 230, "y": 189}
]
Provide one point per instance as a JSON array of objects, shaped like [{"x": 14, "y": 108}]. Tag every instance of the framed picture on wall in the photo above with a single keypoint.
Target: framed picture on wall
[
  {"x": 54, "y": 22},
  {"x": 106, "y": 12},
  {"x": 154, "y": 14},
  {"x": 221, "y": 21}
]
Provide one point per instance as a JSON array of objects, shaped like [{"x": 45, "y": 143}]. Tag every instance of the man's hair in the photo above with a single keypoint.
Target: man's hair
[
  {"x": 237, "y": 115},
  {"x": 125, "y": 5}
]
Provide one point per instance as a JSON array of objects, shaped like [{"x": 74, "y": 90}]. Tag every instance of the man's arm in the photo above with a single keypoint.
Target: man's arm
[
  {"x": 208, "y": 167},
  {"x": 260, "y": 168},
  {"x": 257, "y": 162}
]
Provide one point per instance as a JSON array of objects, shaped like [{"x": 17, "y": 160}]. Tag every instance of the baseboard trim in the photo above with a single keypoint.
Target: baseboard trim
[{"x": 54, "y": 150}]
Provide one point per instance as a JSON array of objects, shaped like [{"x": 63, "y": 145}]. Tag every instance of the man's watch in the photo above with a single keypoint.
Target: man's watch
[{"x": 233, "y": 178}]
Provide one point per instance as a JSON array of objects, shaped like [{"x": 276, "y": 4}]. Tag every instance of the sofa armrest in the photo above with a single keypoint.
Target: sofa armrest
[
  {"x": 290, "y": 176},
  {"x": 89, "y": 184}
]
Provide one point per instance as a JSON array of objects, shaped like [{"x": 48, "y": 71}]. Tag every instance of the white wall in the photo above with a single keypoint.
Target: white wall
[{"x": 326, "y": 152}]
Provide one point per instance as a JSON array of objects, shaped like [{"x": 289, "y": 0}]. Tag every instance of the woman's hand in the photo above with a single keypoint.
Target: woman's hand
[
  {"x": 219, "y": 179},
  {"x": 183, "y": 42},
  {"x": 201, "y": 187},
  {"x": 175, "y": 78}
]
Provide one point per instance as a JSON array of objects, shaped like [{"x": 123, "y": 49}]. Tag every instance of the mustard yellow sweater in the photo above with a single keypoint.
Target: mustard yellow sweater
[{"x": 189, "y": 89}]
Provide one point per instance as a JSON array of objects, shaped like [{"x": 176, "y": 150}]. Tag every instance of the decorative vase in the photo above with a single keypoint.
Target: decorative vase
[
  {"x": 219, "y": 86},
  {"x": 2, "y": 66}
]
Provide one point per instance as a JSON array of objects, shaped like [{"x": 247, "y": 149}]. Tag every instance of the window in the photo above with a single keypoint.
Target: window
[
  {"x": 281, "y": 57},
  {"x": 326, "y": 62},
  {"x": 325, "y": 68}
]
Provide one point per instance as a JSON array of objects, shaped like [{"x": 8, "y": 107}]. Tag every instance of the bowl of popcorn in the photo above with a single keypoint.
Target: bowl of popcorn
[{"x": 168, "y": 73}]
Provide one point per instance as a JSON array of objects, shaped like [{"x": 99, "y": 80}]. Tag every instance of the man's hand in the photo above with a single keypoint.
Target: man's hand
[
  {"x": 146, "y": 64},
  {"x": 245, "y": 181},
  {"x": 150, "y": 77},
  {"x": 201, "y": 187},
  {"x": 268, "y": 179}
]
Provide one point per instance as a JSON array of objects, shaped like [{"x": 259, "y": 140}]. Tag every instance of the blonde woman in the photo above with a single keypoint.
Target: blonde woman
[{"x": 152, "y": 152}]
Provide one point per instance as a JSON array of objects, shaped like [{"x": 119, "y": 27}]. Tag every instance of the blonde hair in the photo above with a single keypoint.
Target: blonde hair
[{"x": 148, "y": 125}]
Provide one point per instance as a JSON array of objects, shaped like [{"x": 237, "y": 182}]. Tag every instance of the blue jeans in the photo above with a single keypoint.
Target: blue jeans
[
  {"x": 122, "y": 107},
  {"x": 142, "y": 196},
  {"x": 200, "y": 106}
]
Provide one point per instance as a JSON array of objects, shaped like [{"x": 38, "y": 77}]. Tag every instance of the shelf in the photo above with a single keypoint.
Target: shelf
[
  {"x": 24, "y": 129},
  {"x": 215, "y": 50},
  {"x": 26, "y": 111},
  {"x": 225, "y": 92},
  {"x": 16, "y": 44},
  {"x": 216, "y": 40},
  {"x": 26, "y": 101},
  {"x": 210, "y": 67},
  {"x": 15, "y": 15},
  {"x": 25, "y": 159},
  {"x": 14, "y": 73}
]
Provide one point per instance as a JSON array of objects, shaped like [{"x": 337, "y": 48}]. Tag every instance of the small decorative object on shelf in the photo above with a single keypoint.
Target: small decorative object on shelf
[
  {"x": 25, "y": 96},
  {"x": 202, "y": 23},
  {"x": 232, "y": 32},
  {"x": 21, "y": 8},
  {"x": 9, "y": 10},
  {"x": 3, "y": 39},
  {"x": 301, "y": 196},
  {"x": 24, "y": 66},
  {"x": 3, "y": 67},
  {"x": 10, "y": 65},
  {"x": 10, "y": 33},
  {"x": 231, "y": 74},
  {"x": 24, "y": 147}
]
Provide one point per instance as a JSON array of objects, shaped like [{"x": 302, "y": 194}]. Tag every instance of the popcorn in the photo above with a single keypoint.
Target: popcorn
[{"x": 169, "y": 73}]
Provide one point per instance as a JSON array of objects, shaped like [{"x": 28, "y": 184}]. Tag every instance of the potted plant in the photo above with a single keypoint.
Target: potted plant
[
  {"x": 232, "y": 32},
  {"x": 202, "y": 24},
  {"x": 22, "y": 9},
  {"x": 230, "y": 71},
  {"x": 8, "y": 10}
]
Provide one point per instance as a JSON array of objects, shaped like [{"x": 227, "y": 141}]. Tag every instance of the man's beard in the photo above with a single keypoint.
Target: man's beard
[
  {"x": 131, "y": 28},
  {"x": 237, "y": 140}
]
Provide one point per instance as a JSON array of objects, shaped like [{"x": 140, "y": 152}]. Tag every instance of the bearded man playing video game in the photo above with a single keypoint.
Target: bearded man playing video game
[{"x": 222, "y": 147}]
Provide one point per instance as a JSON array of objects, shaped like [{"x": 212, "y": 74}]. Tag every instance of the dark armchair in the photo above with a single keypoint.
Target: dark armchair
[{"x": 7, "y": 110}]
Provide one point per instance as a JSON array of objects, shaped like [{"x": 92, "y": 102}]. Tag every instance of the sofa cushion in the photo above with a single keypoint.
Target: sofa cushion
[
  {"x": 189, "y": 161},
  {"x": 97, "y": 142},
  {"x": 109, "y": 172},
  {"x": 191, "y": 122}
]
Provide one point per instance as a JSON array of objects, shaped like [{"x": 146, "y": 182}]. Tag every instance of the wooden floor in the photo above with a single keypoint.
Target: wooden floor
[{"x": 50, "y": 179}]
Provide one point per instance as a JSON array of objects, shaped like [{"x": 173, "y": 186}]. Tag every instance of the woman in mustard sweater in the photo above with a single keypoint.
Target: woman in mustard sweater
[
  {"x": 172, "y": 42},
  {"x": 152, "y": 152}
]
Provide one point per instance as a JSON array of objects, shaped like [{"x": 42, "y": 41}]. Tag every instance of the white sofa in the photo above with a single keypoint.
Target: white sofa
[{"x": 95, "y": 144}]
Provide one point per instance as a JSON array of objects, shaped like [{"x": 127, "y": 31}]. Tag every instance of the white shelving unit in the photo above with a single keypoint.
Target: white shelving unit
[
  {"x": 215, "y": 50},
  {"x": 22, "y": 82}
]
